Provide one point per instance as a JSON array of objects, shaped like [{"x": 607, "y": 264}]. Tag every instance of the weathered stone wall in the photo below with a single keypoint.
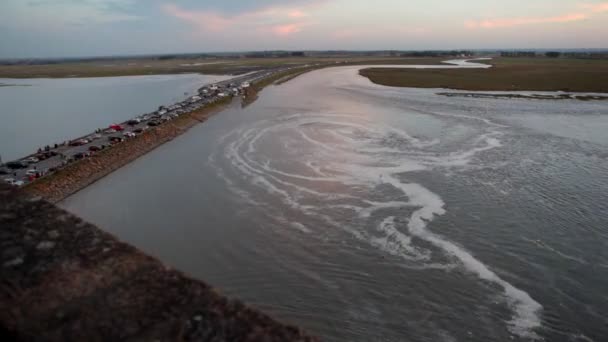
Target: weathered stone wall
[{"x": 62, "y": 279}]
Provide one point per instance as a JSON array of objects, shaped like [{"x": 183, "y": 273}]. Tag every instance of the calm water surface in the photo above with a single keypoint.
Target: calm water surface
[
  {"x": 367, "y": 213},
  {"x": 37, "y": 112}
]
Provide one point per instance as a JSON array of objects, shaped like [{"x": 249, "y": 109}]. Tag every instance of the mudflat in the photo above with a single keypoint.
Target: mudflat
[{"x": 536, "y": 74}]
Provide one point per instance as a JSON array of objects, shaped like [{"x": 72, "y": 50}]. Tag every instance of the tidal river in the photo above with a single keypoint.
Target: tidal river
[{"x": 367, "y": 213}]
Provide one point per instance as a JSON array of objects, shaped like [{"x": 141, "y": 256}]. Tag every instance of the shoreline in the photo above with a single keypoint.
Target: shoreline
[
  {"x": 69, "y": 280},
  {"x": 76, "y": 176}
]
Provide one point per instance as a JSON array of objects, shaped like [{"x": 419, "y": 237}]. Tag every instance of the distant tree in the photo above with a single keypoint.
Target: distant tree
[{"x": 553, "y": 54}]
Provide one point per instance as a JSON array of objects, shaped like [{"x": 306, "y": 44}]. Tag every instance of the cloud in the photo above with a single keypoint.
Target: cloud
[
  {"x": 382, "y": 31},
  {"x": 586, "y": 11},
  {"x": 286, "y": 30},
  {"x": 296, "y": 14},
  {"x": 238, "y": 7},
  {"x": 597, "y": 8},
  {"x": 209, "y": 21},
  {"x": 511, "y": 22},
  {"x": 280, "y": 21},
  {"x": 64, "y": 14}
]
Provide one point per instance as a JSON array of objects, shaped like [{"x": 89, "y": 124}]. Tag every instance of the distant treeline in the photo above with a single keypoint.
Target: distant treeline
[
  {"x": 556, "y": 54},
  {"x": 451, "y": 53},
  {"x": 591, "y": 54},
  {"x": 274, "y": 54}
]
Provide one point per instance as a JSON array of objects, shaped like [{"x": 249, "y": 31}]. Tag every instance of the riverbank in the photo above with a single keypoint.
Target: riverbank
[
  {"x": 506, "y": 74},
  {"x": 76, "y": 176},
  {"x": 65, "y": 279}
]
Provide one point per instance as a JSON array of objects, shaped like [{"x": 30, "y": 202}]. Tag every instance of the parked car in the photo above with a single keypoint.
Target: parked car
[
  {"x": 80, "y": 155},
  {"x": 129, "y": 134},
  {"x": 46, "y": 155},
  {"x": 79, "y": 142},
  {"x": 94, "y": 148},
  {"x": 115, "y": 140},
  {"x": 4, "y": 171},
  {"x": 30, "y": 160},
  {"x": 153, "y": 123},
  {"x": 116, "y": 127},
  {"x": 138, "y": 130},
  {"x": 14, "y": 165},
  {"x": 31, "y": 172},
  {"x": 133, "y": 122},
  {"x": 13, "y": 182}
]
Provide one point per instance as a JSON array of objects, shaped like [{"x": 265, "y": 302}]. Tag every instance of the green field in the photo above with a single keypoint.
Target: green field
[
  {"x": 536, "y": 74},
  {"x": 148, "y": 66}
]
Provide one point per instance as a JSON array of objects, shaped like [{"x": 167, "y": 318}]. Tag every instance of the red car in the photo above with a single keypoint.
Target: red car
[{"x": 117, "y": 128}]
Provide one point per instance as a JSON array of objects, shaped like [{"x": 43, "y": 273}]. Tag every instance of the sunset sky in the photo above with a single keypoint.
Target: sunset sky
[{"x": 55, "y": 28}]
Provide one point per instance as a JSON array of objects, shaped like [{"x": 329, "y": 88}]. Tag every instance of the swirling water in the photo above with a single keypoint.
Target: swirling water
[{"x": 366, "y": 213}]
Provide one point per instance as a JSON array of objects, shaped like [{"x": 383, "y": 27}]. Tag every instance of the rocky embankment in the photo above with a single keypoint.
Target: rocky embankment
[
  {"x": 76, "y": 176},
  {"x": 62, "y": 279}
]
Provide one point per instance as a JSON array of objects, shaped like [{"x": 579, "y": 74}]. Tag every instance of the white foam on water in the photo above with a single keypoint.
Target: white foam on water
[
  {"x": 375, "y": 206},
  {"x": 546, "y": 246},
  {"x": 299, "y": 226},
  {"x": 526, "y": 309},
  {"x": 341, "y": 150},
  {"x": 396, "y": 243}
]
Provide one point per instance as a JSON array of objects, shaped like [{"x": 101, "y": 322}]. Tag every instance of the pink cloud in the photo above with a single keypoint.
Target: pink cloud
[
  {"x": 205, "y": 20},
  {"x": 586, "y": 11},
  {"x": 511, "y": 22},
  {"x": 296, "y": 14},
  {"x": 286, "y": 30},
  {"x": 275, "y": 20},
  {"x": 597, "y": 8}
]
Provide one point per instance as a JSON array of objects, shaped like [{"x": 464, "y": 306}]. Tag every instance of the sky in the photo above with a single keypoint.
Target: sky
[{"x": 64, "y": 28}]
